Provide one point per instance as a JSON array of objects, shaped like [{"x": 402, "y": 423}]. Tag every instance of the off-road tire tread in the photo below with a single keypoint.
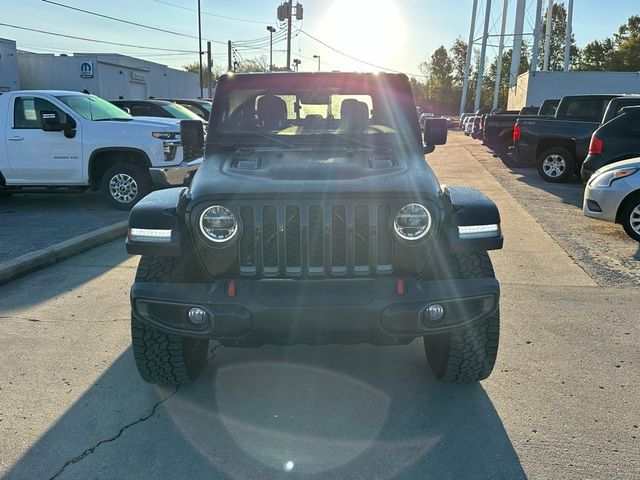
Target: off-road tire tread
[
  {"x": 472, "y": 351},
  {"x": 160, "y": 357}
]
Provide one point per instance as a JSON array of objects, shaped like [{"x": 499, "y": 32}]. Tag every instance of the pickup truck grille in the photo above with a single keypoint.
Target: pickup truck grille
[{"x": 315, "y": 240}]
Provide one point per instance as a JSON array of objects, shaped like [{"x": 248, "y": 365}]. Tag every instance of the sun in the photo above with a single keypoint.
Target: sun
[{"x": 371, "y": 30}]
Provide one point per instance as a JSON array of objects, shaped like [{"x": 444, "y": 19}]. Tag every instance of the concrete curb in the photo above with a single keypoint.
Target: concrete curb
[{"x": 48, "y": 256}]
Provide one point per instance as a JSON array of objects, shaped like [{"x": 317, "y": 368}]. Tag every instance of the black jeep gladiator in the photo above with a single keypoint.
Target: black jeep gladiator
[{"x": 314, "y": 219}]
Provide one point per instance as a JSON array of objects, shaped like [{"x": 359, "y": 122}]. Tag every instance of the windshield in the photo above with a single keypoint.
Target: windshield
[
  {"x": 94, "y": 108},
  {"x": 178, "y": 111},
  {"x": 343, "y": 106}
]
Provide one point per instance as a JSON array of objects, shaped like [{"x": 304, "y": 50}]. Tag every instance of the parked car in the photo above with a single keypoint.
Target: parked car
[
  {"x": 613, "y": 195},
  {"x": 200, "y": 107},
  {"x": 476, "y": 127},
  {"x": 468, "y": 124},
  {"x": 498, "y": 127},
  {"x": 73, "y": 141},
  {"x": 559, "y": 145},
  {"x": 315, "y": 228},
  {"x": 463, "y": 117},
  {"x": 156, "y": 108},
  {"x": 618, "y": 139}
]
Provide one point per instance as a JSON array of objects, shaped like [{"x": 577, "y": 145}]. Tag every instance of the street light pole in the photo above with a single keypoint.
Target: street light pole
[
  {"x": 200, "y": 47},
  {"x": 271, "y": 30},
  {"x": 318, "y": 57}
]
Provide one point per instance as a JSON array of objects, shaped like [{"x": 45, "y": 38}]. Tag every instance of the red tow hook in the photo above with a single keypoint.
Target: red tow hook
[
  {"x": 231, "y": 288},
  {"x": 400, "y": 289}
]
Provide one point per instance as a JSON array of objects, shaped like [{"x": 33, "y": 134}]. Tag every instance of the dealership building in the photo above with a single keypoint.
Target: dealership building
[
  {"x": 111, "y": 76},
  {"x": 532, "y": 88},
  {"x": 9, "y": 77}
]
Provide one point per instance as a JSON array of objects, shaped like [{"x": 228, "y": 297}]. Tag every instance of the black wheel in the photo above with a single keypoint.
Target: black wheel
[
  {"x": 161, "y": 357},
  {"x": 630, "y": 217},
  {"x": 124, "y": 185},
  {"x": 469, "y": 354},
  {"x": 556, "y": 165}
]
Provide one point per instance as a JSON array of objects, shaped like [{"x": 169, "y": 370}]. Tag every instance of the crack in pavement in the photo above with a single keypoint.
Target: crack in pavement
[{"x": 92, "y": 449}]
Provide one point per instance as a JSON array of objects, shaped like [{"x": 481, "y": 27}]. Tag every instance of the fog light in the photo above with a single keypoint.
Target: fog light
[
  {"x": 434, "y": 314},
  {"x": 197, "y": 316}
]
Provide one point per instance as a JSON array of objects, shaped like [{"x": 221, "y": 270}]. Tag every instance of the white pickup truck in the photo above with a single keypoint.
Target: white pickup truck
[{"x": 60, "y": 141}]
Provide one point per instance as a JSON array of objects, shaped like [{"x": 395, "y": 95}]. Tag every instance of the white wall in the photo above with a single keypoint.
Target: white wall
[
  {"x": 534, "y": 88},
  {"x": 9, "y": 78},
  {"x": 114, "y": 76}
]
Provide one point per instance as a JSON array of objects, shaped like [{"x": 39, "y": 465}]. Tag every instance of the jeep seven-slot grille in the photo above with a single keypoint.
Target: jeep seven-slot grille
[{"x": 315, "y": 240}]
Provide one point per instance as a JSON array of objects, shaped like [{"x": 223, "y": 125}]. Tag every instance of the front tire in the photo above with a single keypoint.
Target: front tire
[
  {"x": 160, "y": 357},
  {"x": 630, "y": 217},
  {"x": 124, "y": 185},
  {"x": 556, "y": 165},
  {"x": 469, "y": 354}
]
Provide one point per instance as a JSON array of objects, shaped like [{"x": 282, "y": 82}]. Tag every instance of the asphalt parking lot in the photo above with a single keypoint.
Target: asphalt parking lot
[
  {"x": 562, "y": 403},
  {"x": 30, "y": 222}
]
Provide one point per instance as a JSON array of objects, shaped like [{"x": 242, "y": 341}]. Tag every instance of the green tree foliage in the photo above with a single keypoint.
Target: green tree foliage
[
  {"x": 621, "y": 53},
  {"x": 558, "y": 34}
]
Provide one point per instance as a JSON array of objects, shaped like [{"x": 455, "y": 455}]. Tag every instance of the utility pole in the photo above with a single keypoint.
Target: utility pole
[
  {"x": 496, "y": 91},
  {"x": 567, "y": 41},
  {"x": 483, "y": 53},
  {"x": 535, "y": 53},
  {"x": 467, "y": 65},
  {"x": 229, "y": 66},
  {"x": 318, "y": 57},
  {"x": 209, "y": 70},
  {"x": 547, "y": 36},
  {"x": 271, "y": 30},
  {"x": 289, "y": 15},
  {"x": 200, "y": 46},
  {"x": 517, "y": 42}
]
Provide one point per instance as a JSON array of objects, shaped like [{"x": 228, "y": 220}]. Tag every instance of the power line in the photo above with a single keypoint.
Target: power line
[
  {"x": 210, "y": 14},
  {"x": 358, "y": 59},
  {"x": 96, "y": 41},
  {"x": 89, "y": 12}
]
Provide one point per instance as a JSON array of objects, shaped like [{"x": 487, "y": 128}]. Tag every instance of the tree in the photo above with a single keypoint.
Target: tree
[
  {"x": 597, "y": 55},
  {"x": 627, "y": 41},
  {"x": 458, "y": 59},
  {"x": 558, "y": 35}
]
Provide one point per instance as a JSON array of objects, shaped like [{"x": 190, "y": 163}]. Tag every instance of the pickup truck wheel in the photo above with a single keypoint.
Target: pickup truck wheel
[
  {"x": 469, "y": 354},
  {"x": 124, "y": 185},
  {"x": 630, "y": 218},
  {"x": 556, "y": 165},
  {"x": 161, "y": 357}
]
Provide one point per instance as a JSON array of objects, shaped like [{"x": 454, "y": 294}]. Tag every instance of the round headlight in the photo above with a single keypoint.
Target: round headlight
[
  {"x": 218, "y": 224},
  {"x": 412, "y": 222}
]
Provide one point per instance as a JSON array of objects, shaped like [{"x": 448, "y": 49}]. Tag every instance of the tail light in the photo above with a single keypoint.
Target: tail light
[
  {"x": 595, "y": 146},
  {"x": 517, "y": 132},
  {"x": 481, "y": 122}
]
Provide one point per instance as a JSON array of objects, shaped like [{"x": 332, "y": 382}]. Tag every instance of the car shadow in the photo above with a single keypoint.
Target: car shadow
[
  {"x": 570, "y": 192},
  {"x": 274, "y": 412}
]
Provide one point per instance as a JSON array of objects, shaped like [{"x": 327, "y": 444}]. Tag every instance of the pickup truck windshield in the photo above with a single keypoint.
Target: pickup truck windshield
[
  {"x": 340, "y": 107},
  {"x": 94, "y": 108}
]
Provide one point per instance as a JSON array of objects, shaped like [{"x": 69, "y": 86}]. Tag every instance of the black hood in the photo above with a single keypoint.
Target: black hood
[{"x": 268, "y": 172}]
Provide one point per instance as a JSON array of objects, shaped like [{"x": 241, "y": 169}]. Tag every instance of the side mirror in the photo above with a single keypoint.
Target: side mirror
[
  {"x": 191, "y": 134},
  {"x": 435, "y": 131},
  {"x": 50, "y": 122}
]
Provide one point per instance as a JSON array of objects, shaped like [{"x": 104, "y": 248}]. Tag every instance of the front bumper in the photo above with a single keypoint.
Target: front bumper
[
  {"x": 603, "y": 202},
  {"x": 176, "y": 175},
  {"x": 314, "y": 311}
]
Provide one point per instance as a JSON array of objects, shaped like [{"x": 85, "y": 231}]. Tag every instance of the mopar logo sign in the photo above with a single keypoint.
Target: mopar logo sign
[{"x": 86, "y": 69}]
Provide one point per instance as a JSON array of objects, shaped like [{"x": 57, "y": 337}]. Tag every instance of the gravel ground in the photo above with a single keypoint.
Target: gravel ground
[
  {"x": 31, "y": 222},
  {"x": 602, "y": 249}
]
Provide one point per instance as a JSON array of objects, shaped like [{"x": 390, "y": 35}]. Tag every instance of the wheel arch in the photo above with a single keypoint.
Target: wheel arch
[
  {"x": 635, "y": 195},
  {"x": 102, "y": 158},
  {"x": 545, "y": 144}
]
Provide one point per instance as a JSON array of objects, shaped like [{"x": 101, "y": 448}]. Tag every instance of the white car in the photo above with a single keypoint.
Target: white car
[
  {"x": 613, "y": 195},
  {"x": 468, "y": 124},
  {"x": 53, "y": 139}
]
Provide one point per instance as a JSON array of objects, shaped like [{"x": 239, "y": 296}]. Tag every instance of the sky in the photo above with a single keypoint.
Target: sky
[{"x": 360, "y": 35}]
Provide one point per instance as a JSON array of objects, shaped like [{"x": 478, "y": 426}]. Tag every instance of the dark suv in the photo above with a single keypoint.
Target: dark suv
[{"x": 314, "y": 219}]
